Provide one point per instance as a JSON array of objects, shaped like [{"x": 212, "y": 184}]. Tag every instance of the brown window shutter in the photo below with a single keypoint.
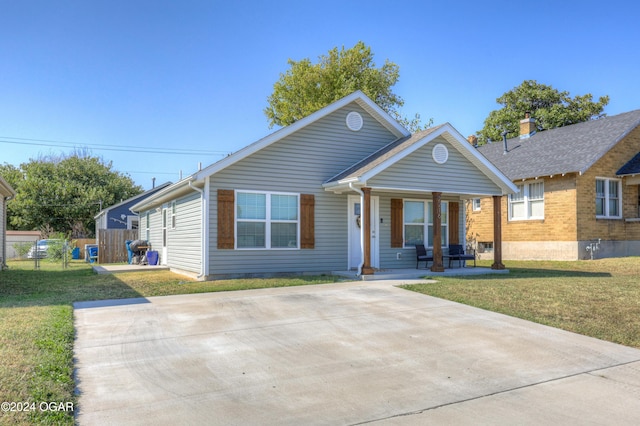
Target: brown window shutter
[
  {"x": 396, "y": 222},
  {"x": 226, "y": 206},
  {"x": 454, "y": 223},
  {"x": 307, "y": 221}
]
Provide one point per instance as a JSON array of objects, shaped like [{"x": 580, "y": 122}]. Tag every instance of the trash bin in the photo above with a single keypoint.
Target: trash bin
[
  {"x": 93, "y": 254},
  {"x": 127, "y": 243},
  {"x": 75, "y": 253},
  {"x": 152, "y": 257}
]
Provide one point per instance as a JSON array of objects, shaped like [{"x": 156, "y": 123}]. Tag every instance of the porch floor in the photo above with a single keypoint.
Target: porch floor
[{"x": 395, "y": 274}]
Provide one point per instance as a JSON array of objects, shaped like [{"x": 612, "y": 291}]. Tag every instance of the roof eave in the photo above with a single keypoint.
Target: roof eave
[
  {"x": 454, "y": 137},
  {"x": 5, "y": 189},
  {"x": 367, "y": 104},
  {"x": 169, "y": 193}
]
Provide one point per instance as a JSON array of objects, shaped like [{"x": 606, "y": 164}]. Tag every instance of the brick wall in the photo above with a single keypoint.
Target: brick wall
[
  {"x": 569, "y": 211},
  {"x": 591, "y": 228},
  {"x": 559, "y": 223}
]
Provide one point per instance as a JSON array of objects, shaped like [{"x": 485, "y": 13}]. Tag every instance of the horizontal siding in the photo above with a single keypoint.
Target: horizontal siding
[
  {"x": 155, "y": 229},
  {"x": 388, "y": 254},
  {"x": 419, "y": 171},
  {"x": 299, "y": 164},
  {"x": 185, "y": 241}
]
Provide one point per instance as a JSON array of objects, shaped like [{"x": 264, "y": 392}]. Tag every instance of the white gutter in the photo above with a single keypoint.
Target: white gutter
[
  {"x": 202, "y": 237},
  {"x": 362, "y": 228}
]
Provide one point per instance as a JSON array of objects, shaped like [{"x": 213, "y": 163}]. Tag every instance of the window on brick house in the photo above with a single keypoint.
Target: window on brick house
[
  {"x": 608, "y": 198},
  {"x": 528, "y": 202}
]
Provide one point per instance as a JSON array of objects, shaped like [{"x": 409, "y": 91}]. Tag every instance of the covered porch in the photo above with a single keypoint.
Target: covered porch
[
  {"x": 433, "y": 168},
  {"x": 370, "y": 233}
]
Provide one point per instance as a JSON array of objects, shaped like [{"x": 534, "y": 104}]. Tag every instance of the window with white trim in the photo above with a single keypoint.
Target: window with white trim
[
  {"x": 267, "y": 220},
  {"x": 147, "y": 230},
  {"x": 418, "y": 223},
  {"x": 173, "y": 215},
  {"x": 476, "y": 204},
  {"x": 528, "y": 202},
  {"x": 608, "y": 198}
]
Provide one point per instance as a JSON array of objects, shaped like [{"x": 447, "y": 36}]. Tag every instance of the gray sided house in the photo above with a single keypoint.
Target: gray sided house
[
  {"x": 6, "y": 193},
  {"x": 346, "y": 188}
]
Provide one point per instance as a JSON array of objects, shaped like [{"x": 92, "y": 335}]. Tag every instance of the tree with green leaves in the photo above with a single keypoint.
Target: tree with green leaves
[
  {"x": 307, "y": 87},
  {"x": 63, "y": 194},
  {"x": 548, "y": 106}
]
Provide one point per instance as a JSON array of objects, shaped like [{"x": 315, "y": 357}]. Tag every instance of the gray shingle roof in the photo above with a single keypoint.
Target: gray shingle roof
[
  {"x": 382, "y": 155},
  {"x": 632, "y": 167},
  {"x": 566, "y": 149}
]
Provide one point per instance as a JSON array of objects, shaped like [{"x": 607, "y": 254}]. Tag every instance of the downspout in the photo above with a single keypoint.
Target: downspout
[
  {"x": 361, "y": 232},
  {"x": 202, "y": 237}
]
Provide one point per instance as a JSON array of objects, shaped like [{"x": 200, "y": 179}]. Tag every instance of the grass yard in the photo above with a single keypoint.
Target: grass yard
[
  {"x": 599, "y": 298},
  {"x": 36, "y": 326}
]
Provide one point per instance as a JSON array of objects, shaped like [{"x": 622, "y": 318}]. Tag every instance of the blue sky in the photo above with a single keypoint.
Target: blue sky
[{"x": 194, "y": 76}]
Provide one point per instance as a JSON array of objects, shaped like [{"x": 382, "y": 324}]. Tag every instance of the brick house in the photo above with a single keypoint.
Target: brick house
[{"x": 578, "y": 191}]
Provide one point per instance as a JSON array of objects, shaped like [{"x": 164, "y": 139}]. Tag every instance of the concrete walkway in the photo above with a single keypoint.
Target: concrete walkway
[
  {"x": 348, "y": 353},
  {"x": 124, "y": 267}
]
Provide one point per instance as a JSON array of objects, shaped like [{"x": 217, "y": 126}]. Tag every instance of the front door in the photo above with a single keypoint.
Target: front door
[{"x": 355, "y": 227}]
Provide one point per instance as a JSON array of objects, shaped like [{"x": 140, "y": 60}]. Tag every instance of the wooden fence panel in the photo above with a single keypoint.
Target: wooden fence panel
[
  {"x": 111, "y": 244},
  {"x": 80, "y": 243}
]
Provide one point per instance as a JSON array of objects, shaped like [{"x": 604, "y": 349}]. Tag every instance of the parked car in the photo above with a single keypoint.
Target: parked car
[{"x": 41, "y": 248}]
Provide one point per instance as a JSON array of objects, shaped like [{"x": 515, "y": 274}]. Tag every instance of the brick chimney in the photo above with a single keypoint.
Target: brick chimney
[
  {"x": 473, "y": 140},
  {"x": 527, "y": 126}
]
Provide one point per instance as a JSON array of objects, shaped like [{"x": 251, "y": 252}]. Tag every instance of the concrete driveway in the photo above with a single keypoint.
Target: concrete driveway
[{"x": 350, "y": 353}]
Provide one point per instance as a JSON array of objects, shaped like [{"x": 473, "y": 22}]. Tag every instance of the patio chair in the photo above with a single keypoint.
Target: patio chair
[
  {"x": 456, "y": 252},
  {"x": 422, "y": 255}
]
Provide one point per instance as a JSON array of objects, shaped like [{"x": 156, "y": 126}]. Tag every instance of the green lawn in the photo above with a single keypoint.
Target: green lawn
[
  {"x": 598, "y": 298},
  {"x": 36, "y": 325}
]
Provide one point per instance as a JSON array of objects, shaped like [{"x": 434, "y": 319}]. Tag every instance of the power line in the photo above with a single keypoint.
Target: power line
[{"x": 104, "y": 147}]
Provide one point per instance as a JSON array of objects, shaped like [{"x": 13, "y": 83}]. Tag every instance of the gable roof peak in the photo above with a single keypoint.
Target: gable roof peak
[{"x": 358, "y": 96}]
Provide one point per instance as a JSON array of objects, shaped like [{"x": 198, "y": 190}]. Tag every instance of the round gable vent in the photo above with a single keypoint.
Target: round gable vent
[
  {"x": 440, "y": 154},
  {"x": 354, "y": 121}
]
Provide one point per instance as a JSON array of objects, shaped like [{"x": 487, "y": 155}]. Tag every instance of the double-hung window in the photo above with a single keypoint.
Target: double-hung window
[
  {"x": 173, "y": 215},
  {"x": 266, "y": 220},
  {"x": 528, "y": 202},
  {"x": 608, "y": 198},
  {"x": 418, "y": 223}
]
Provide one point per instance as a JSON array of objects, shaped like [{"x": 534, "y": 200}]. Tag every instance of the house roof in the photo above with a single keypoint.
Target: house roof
[
  {"x": 631, "y": 168},
  {"x": 568, "y": 149},
  {"x": 199, "y": 177},
  {"x": 400, "y": 148},
  {"x": 134, "y": 198},
  {"x": 360, "y": 98},
  {"x": 382, "y": 155},
  {"x": 5, "y": 189}
]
